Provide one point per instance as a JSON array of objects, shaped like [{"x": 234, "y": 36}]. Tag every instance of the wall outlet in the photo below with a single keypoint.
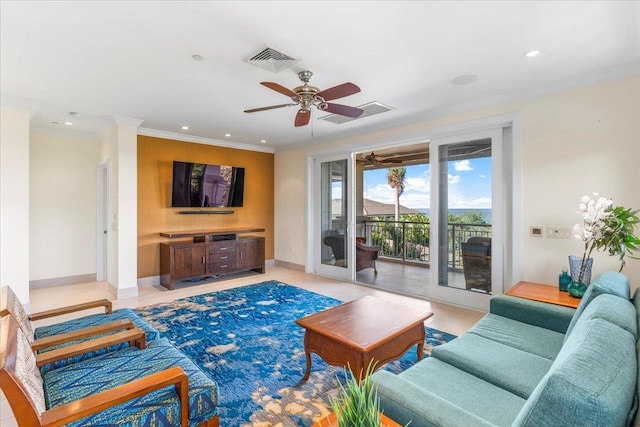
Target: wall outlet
[{"x": 559, "y": 232}]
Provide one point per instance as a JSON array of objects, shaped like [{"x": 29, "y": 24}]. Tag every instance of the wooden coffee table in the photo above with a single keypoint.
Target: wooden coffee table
[{"x": 355, "y": 333}]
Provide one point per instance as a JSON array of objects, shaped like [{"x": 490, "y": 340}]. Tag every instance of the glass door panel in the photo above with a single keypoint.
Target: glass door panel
[
  {"x": 333, "y": 240},
  {"x": 467, "y": 219}
]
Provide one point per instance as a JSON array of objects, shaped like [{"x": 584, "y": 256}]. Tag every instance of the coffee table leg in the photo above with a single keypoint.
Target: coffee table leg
[
  {"x": 308, "y": 371},
  {"x": 421, "y": 350}
]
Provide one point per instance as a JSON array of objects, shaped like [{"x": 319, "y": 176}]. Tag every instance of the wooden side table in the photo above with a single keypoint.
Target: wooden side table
[
  {"x": 544, "y": 293},
  {"x": 330, "y": 421}
]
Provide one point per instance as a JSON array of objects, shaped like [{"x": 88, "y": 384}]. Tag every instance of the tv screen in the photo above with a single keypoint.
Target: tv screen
[{"x": 206, "y": 186}]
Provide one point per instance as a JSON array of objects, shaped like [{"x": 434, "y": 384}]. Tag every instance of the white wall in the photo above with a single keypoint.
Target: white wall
[
  {"x": 574, "y": 143},
  {"x": 62, "y": 198},
  {"x": 14, "y": 201}
]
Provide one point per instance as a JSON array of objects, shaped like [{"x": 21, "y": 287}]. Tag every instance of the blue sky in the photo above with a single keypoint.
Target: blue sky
[{"x": 469, "y": 185}]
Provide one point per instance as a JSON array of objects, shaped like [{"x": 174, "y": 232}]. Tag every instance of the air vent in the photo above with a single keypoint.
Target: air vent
[
  {"x": 272, "y": 59},
  {"x": 370, "y": 109}
]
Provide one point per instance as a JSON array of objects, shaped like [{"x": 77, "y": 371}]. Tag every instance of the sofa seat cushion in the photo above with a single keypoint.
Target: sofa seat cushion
[
  {"x": 523, "y": 336},
  {"x": 88, "y": 321},
  {"x": 161, "y": 407},
  {"x": 459, "y": 388},
  {"x": 507, "y": 367},
  {"x": 591, "y": 382}
]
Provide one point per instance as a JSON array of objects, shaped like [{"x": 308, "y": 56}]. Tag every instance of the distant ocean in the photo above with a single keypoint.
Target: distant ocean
[{"x": 485, "y": 212}]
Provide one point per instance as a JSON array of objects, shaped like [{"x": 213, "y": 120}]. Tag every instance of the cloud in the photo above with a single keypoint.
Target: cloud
[
  {"x": 483, "y": 175},
  {"x": 419, "y": 184},
  {"x": 454, "y": 179},
  {"x": 463, "y": 166}
]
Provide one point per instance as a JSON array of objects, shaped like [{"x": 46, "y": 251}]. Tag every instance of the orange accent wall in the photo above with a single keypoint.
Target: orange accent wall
[{"x": 155, "y": 214}]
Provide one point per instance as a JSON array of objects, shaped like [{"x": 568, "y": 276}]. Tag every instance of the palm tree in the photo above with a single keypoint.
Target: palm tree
[{"x": 395, "y": 178}]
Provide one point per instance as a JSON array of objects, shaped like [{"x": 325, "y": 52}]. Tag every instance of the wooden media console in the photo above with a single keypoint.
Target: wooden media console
[{"x": 210, "y": 253}]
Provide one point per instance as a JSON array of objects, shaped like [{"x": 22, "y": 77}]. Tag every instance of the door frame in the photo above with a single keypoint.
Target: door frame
[{"x": 102, "y": 222}]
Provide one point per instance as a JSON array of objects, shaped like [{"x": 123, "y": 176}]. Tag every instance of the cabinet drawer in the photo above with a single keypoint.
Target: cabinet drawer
[
  {"x": 221, "y": 267},
  {"x": 222, "y": 257},
  {"x": 225, "y": 246}
]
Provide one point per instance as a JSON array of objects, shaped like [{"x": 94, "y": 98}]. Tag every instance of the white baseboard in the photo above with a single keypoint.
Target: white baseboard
[{"x": 58, "y": 281}]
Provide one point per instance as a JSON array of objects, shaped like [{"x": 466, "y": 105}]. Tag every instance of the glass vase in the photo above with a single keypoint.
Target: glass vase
[
  {"x": 575, "y": 264},
  {"x": 576, "y": 289}
]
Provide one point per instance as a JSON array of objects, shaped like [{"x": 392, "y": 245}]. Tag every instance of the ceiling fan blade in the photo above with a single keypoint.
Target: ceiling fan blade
[
  {"x": 255, "y": 110},
  {"x": 339, "y": 91},
  {"x": 279, "y": 88},
  {"x": 344, "y": 110},
  {"x": 303, "y": 117}
]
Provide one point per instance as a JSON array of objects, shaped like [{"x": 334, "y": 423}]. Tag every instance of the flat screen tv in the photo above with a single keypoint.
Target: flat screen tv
[{"x": 206, "y": 186}]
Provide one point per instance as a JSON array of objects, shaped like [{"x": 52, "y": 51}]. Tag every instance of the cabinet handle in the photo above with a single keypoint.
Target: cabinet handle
[
  {"x": 223, "y": 257},
  {"x": 223, "y": 266},
  {"x": 223, "y": 249},
  {"x": 203, "y": 260},
  {"x": 240, "y": 255}
]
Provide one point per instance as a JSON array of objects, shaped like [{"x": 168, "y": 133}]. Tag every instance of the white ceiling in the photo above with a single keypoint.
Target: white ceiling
[{"x": 134, "y": 59}]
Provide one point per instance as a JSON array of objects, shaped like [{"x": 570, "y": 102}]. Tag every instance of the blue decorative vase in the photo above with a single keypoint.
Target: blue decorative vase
[
  {"x": 576, "y": 289},
  {"x": 574, "y": 267}
]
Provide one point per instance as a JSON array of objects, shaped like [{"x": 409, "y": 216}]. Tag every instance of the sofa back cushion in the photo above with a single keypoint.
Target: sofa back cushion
[
  {"x": 591, "y": 383},
  {"x": 610, "y": 282}
]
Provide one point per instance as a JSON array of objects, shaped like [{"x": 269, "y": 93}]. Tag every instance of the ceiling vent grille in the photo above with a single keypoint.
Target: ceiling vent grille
[
  {"x": 369, "y": 109},
  {"x": 272, "y": 59}
]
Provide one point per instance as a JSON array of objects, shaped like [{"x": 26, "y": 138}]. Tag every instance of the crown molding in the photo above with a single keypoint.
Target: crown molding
[{"x": 202, "y": 140}]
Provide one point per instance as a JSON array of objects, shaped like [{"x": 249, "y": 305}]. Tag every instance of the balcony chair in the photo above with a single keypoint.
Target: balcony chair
[
  {"x": 70, "y": 332},
  {"x": 476, "y": 261},
  {"x": 366, "y": 256},
  {"x": 160, "y": 386}
]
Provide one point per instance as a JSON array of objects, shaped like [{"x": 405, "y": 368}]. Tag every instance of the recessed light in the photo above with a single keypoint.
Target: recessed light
[
  {"x": 532, "y": 53},
  {"x": 68, "y": 123},
  {"x": 55, "y": 123},
  {"x": 184, "y": 127},
  {"x": 74, "y": 114},
  {"x": 227, "y": 135},
  {"x": 264, "y": 141},
  {"x": 197, "y": 57}
]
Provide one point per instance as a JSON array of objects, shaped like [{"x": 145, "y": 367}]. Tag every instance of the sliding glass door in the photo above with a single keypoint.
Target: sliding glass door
[
  {"x": 468, "y": 214},
  {"x": 333, "y": 227}
]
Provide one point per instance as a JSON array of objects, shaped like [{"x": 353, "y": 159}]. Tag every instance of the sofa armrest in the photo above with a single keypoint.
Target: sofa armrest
[
  {"x": 544, "y": 315},
  {"x": 55, "y": 340},
  {"x": 108, "y": 309},
  {"x": 133, "y": 336},
  {"x": 404, "y": 401}
]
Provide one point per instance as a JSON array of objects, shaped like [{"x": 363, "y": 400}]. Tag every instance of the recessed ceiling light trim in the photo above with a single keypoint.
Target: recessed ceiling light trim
[{"x": 532, "y": 53}]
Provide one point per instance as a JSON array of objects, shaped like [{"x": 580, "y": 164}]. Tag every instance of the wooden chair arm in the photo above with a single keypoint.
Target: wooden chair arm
[
  {"x": 108, "y": 309},
  {"x": 90, "y": 405},
  {"x": 55, "y": 340},
  {"x": 134, "y": 336}
]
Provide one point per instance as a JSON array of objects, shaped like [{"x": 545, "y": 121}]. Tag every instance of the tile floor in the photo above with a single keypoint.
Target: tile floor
[{"x": 447, "y": 318}]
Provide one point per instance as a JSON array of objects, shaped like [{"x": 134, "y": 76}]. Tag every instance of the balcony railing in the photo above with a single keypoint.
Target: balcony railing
[{"x": 409, "y": 240}]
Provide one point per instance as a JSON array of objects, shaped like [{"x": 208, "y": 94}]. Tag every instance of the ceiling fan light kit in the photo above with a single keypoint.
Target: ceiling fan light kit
[{"x": 307, "y": 96}]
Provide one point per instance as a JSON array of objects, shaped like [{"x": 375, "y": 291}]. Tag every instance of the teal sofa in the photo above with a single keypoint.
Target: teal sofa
[{"x": 528, "y": 363}]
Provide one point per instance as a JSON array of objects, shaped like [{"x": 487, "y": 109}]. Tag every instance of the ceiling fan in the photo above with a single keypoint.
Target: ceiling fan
[
  {"x": 375, "y": 160},
  {"x": 306, "y": 96}
]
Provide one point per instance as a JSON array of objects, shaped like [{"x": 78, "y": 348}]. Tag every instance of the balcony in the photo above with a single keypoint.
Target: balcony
[{"x": 408, "y": 241}]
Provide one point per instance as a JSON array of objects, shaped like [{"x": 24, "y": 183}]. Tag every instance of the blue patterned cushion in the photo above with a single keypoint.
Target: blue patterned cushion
[
  {"x": 86, "y": 322},
  {"x": 160, "y": 408}
]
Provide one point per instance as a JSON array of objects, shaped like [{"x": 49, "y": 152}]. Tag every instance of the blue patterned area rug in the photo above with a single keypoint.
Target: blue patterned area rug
[{"x": 247, "y": 340}]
